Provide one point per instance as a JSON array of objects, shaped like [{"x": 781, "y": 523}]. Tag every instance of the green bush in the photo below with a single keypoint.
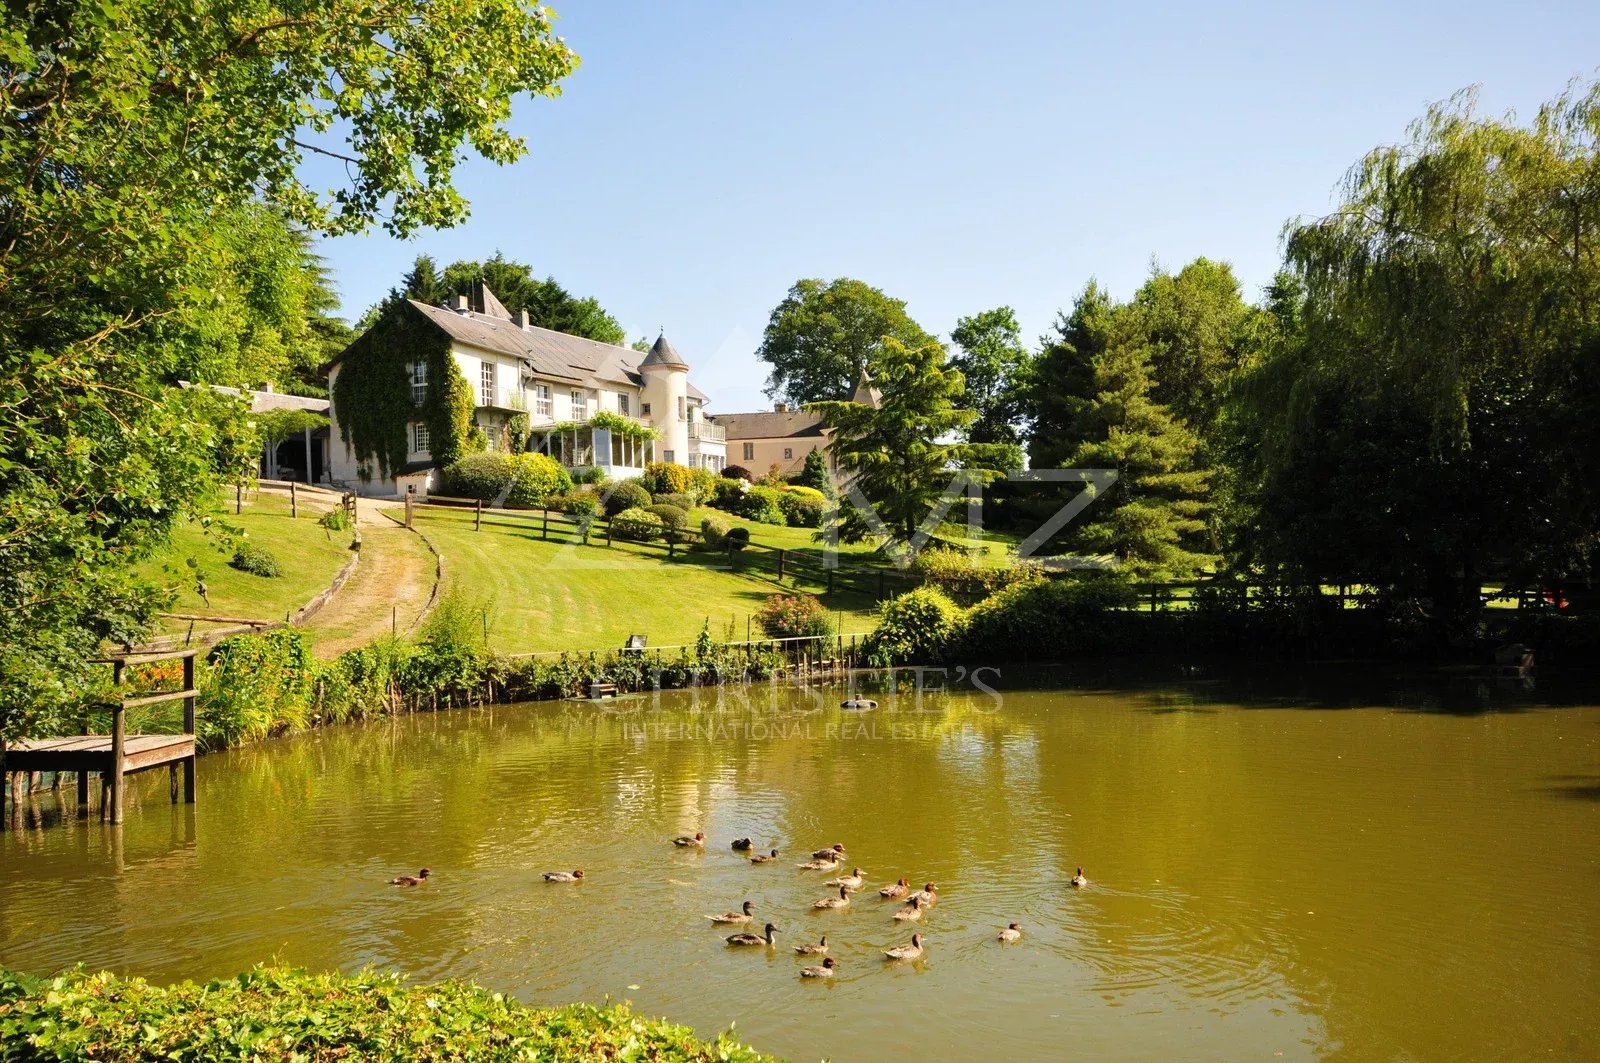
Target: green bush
[
  {"x": 256, "y": 560},
  {"x": 255, "y": 686},
  {"x": 666, "y": 478},
  {"x": 802, "y": 507},
  {"x": 919, "y": 627},
  {"x": 536, "y": 478},
  {"x": 482, "y": 476},
  {"x": 727, "y": 494},
  {"x": 276, "y": 1015},
  {"x": 763, "y": 505},
  {"x": 682, "y": 501},
  {"x": 785, "y": 616},
  {"x": 701, "y": 483},
  {"x": 595, "y": 476},
  {"x": 738, "y": 538},
  {"x": 1051, "y": 619},
  {"x": 714, "y": 532},
  {"x": 815, "y": 474},
  {"x": 336, "y": 519},
  {"x": 966, "y": 579},
  {"x": 637, "y": 525},
  {"x": 674, "y": 519},
  {"x": 737, "y": 472},
  {"x": 629, "y": 494}
]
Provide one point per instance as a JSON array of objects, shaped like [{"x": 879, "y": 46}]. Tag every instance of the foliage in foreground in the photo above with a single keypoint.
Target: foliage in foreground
[{"x": 274, "y": 1013}]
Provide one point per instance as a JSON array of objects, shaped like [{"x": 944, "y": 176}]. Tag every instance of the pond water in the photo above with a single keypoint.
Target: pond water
[{"x": 1332, "y": 867}]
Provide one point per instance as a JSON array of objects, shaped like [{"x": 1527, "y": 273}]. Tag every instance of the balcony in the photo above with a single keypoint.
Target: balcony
[
  {"x": 706, "y": 432},
  {"x": 513, "y": 400}
]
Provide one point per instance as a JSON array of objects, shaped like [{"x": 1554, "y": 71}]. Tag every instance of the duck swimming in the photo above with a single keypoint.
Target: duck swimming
[
  {"x": 759, "y": 859},
  {"x": 906, "y": 952},
  {"x": 410, "y": 880},
  {"x": 1012, "y": 933},
  {"x": 928, "y": 895},
  {"x": 808, "y": 949},
  {"x": 754, "y": 939},
  {"x": 742, "y": 845},
  {"x": 853, "y": 880},
  {"x": 912, "y": 911},
  {"x": 841, "y": 901},
  {"x": 698, "y": 841},
  {"x": 1078, "y": 881},
  {"x": 825, "y": 971},
  {"x": 735, "y": 917},
  {"x": 835, "y": 853},
  {"x": 819, "y": 865},
  {"x": 898, "y": 890},
  {"x": 563, "y": 876}
]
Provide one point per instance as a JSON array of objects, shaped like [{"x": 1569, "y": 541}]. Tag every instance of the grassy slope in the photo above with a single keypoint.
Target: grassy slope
[
  {"x": 309, "y": 555},
  {"x": 803, "y": 542},
  {"x": 552, "y": 595}
]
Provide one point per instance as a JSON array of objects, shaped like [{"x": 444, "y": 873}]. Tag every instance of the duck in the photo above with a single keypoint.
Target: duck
[
  {"x": 906, "y": 952},
  {"x": 742, "y": 845},
  {"x": 853, "y": 880},
  {"x": 808, "y": 949},
  {"x": 841, "y": 901},
  {"x": 898, "y": 890},
  {"x": 835, "y": 853},
  {"x": 563, "y": 876},
  {"x": 824, "y": 971},
  {"x": 1078, "y": 881},
  {"x": 912, "y": 911},
  {"x": 819, "y": 865},
  {"x": 928, "y": 895},
  {"x": 767, "y": 859},
  {"x": 735, "y": 917},
  {"x": 698, "y": 841},
  {"x": 1012, "y": 933},
  {"x": 411, "y": 880},
  {"x": 754, "y": 939}
]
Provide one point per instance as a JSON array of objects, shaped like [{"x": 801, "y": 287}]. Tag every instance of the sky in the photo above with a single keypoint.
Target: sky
[{"x": 959, "y": 156}]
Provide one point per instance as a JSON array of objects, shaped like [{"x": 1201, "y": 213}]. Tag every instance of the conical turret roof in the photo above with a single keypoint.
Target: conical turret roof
[
  {"x": 865, "y": 393},
  {"x": 661, "y": 353}
]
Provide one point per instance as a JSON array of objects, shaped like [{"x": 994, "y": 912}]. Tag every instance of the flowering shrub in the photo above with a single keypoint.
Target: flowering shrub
[
  {"x": 917, "y": 627},
  {"x": 788, "y": 616},
  {"x": 967, "y": 580}
]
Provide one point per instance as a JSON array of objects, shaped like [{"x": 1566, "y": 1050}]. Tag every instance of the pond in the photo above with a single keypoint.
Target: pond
[{"x": 1326, "y": 865}]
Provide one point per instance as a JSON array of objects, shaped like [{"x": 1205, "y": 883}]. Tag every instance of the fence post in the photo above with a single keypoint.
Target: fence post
[
  {"x": 780, "y": 566},
  {"x": 880, "y": 584},
  {"x": 238, "y": 498},
  {"x": 409, "y": 501},
  {"x": 608, "y": 533},
  {"x": 830, "y": 581},
  {"x": 294, "y": 502},
  {"x": 188, "y": 728},
  {"x": 118, "y": 747},
  {"x": 545, "y": 532},
  {"x": 477, "y": 522}
]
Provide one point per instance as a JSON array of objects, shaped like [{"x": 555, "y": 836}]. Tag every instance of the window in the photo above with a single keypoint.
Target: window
[
  {"x": 749, "y": 452},
  {"x": 788, "y": 453},
  {"x": 668, "y": 456},
  {"x": 493, "y": 432},
  {"x": 541, "y": 400},
  {"x": 683, "y": 408},
  {"x": 580, "y": 405},
  {"x": 644, "y": 409},
  {"x": 419, "y": 383},
  {"x": 419, "y": 438},
  {"x": 622, "y": 403},
  {"x": 486, "y": 384}
]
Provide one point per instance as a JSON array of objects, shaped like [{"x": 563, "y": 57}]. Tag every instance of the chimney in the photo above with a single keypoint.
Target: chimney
[
  {"x": 780, "y": 407},
  {"x": 462, "y": 305},
  {"x": 524, "y": 319},
  {"x": 266, "y": 388}
]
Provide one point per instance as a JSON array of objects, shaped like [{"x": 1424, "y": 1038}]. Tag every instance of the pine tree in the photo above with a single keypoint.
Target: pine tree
[
  {"x": 1152, "y": 520},
  {"x": 1063, "y": 376}
]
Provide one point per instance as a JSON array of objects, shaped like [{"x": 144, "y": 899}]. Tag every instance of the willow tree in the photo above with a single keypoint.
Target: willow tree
[
  {"x": 1433, "y": 419},
  {"x": 127, "y": 129}
]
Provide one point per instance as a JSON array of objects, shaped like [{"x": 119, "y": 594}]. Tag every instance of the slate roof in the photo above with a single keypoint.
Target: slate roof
[
  {"x": 770, "y": 424},
  {"x": 662, "y": 353}
]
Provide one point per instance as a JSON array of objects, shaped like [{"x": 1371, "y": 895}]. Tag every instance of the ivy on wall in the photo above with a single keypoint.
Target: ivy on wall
[{"x": 372, "y": 395}]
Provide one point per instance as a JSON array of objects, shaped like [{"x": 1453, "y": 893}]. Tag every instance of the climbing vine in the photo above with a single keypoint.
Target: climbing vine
[
  {"x": 614, "y": 423},
  {"x": 372, "y": 395}
]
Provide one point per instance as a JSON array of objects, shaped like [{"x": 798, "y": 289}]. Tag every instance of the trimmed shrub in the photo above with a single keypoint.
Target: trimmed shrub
[
  {"x": 482, "y": 476},
  {"x": 629, "y": 494},
  {"x": 256, "y": 560},
  {"x": 805, "y": 492},
  {"x": 967, "y": 580},
  {"x": 593, "y": 475},
  {"x": 637, "y": 525},
  {"x": 1051, "y": 619},
  {"x": 682, "y": 501},
  {"x": 737, "y": 472},
  {"x": 666, "y": 478},
  {"x": 788, "y": 616},
  {"x": 761, "y": 504},
  {"x": 714, "y": 533},
  {"x": 727, "y": 493},
  {"x": 802, "y": 507},
  {"x": 919, "y": 627},
  {"x": 536, "y": 477},
  {"x": 815, "y": 474},
  {"x": 737, "y": 538},
  {"x": 674, "y": 519}
]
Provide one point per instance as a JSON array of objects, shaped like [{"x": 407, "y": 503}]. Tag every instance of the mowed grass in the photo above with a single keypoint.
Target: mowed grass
[
  {"x": 559, "y": 595},
  {"x": 803, "y": 542},
  {"x": 308, "y": 554}
]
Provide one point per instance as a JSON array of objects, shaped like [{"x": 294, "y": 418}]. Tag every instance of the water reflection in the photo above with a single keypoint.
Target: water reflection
[{"x": 1276, "y": 866}]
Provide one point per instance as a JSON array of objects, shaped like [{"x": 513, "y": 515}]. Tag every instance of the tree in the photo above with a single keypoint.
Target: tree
[
  {"x": 549, "y": 305},
  {"x": 1063, "y": 377},
  {"x": 1197, "y": 324},
  {"x": 129, "y": 136},
  {"x": 998, "y": 372},
  {"x": 823, "y": 334},
  {"x": 895, "y": 454},
  {"x": 814, "y": 473}
]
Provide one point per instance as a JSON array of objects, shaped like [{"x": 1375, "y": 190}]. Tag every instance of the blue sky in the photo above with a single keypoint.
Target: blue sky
[{"x": 704, "y": 157}]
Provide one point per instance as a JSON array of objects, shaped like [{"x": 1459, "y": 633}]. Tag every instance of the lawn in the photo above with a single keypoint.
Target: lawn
[
  {"x": 559, "y": 595},
  {"x": 309, "y": 555},
  {"x": 804, "y": 543}
]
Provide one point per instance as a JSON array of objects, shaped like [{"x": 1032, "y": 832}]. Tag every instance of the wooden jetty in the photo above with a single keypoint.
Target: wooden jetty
[{"x": 118, "y": 754}]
